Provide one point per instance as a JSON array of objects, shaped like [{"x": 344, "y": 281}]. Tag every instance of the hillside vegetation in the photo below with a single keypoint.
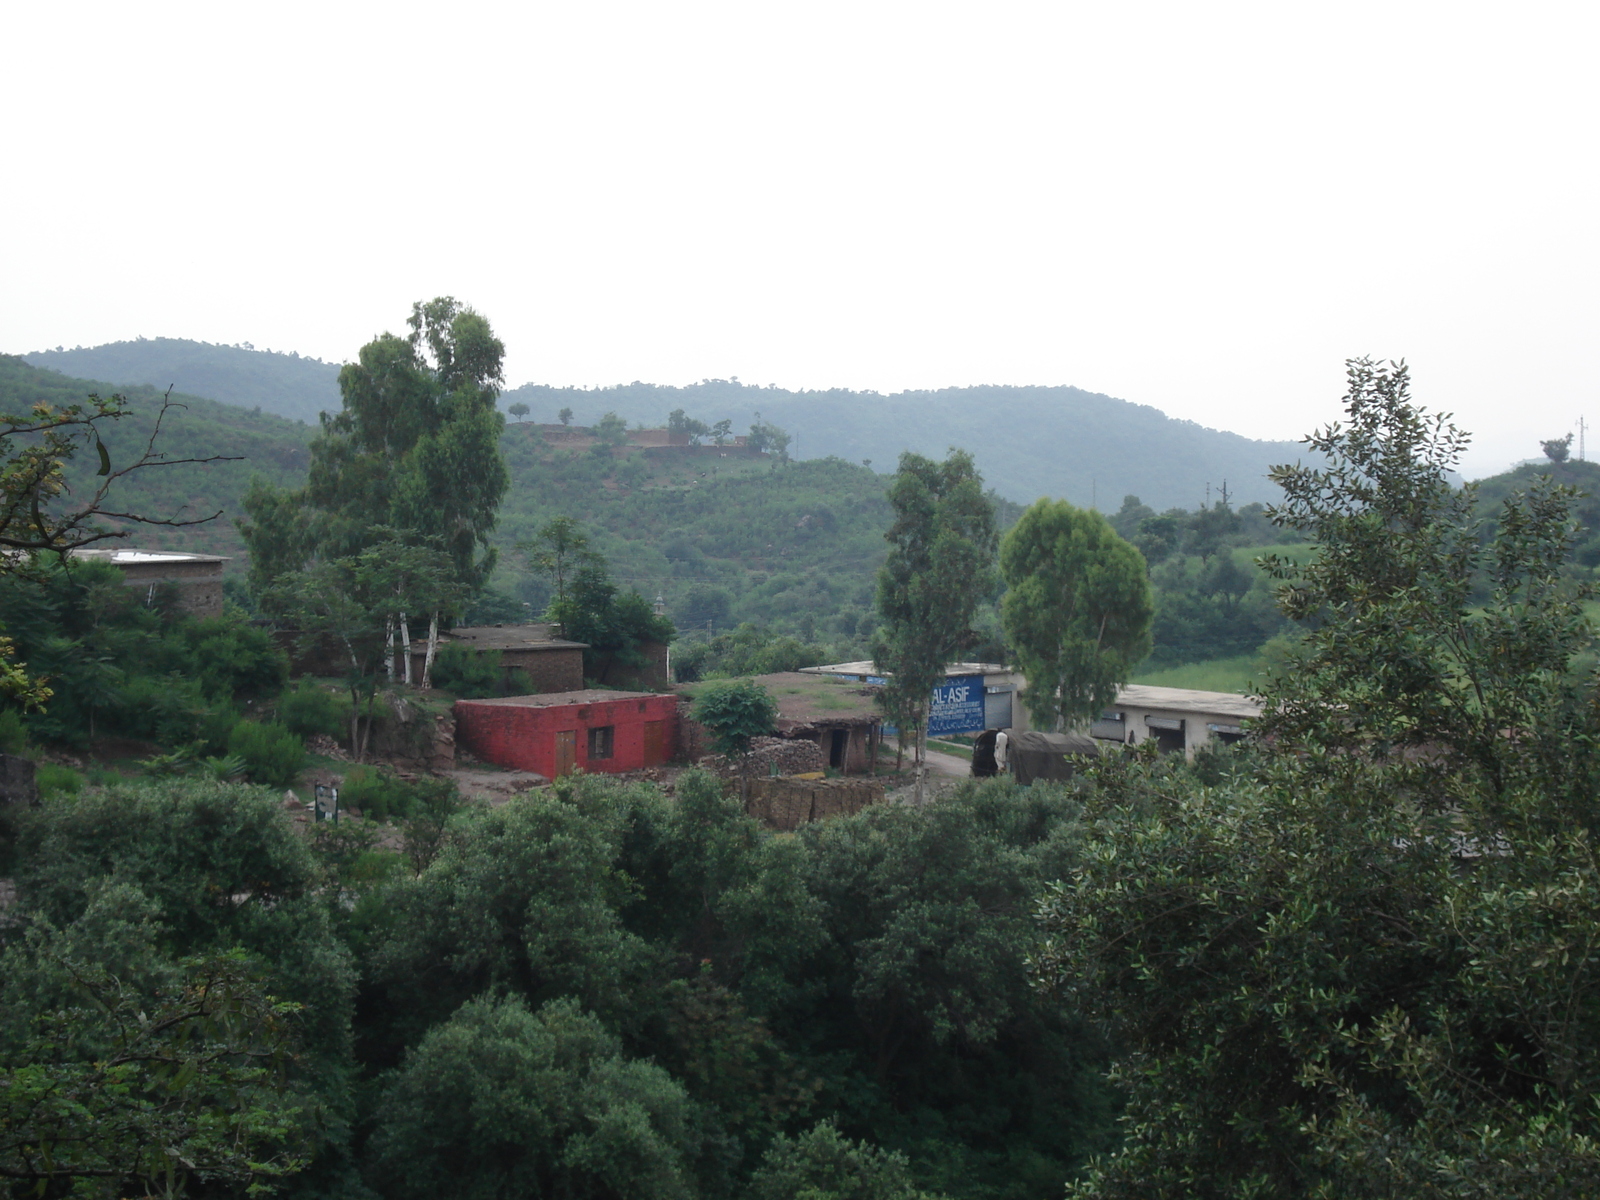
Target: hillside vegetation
[
  {"x": 194, "y": 427},
  {"x": 1028, "y": 441}
]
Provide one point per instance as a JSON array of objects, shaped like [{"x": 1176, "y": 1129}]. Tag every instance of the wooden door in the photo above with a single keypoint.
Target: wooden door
[
  {"x": 566, "y": 751},
  {"x": 655, "y": 738}
]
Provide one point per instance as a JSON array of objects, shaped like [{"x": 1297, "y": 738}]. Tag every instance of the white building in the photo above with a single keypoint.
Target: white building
[{"x": 1176, "y": 719}]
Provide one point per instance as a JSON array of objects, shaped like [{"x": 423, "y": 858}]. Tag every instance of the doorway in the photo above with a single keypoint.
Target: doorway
[
  {"x": 566, "y": 751},
  {"x": 839, "y": 748}
]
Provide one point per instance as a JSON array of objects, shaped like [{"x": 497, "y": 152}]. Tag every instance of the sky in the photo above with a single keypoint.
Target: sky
[{"x": 1206, "y": 208}]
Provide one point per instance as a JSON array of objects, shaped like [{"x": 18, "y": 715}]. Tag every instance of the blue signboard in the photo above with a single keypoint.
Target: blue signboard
[{"x": 957, "y": 706}]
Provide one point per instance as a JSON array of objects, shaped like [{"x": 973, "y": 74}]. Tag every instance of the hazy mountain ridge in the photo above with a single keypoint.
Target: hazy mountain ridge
[
  {"x": 1030, "y": 441},
  {"x": 275, "y": 382}
]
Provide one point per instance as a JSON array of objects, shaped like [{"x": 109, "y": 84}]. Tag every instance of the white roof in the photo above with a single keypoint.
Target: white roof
[
  {"x": 1170, "y": 699},
  {"x": 145, "y": 556},
  {"x": 870, "y": 668}
]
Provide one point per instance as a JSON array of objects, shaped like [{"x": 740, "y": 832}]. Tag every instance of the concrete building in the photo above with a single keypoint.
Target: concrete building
[
  {"x": 561, "y": 732},
  {"x": 839, "y": 714},
  {"x": 1178, "y": 720},
  {"x": 197, "y": 578}
]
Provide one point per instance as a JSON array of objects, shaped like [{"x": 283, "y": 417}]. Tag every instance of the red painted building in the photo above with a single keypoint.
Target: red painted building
[{"x": 555, "y": 733}]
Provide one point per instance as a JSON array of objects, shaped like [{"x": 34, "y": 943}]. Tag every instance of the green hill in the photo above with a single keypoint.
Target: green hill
[
  {"x": 1028, "y": 441},
  {"x": 194, "y": 428},
  {"x": 280, "y": 383}
]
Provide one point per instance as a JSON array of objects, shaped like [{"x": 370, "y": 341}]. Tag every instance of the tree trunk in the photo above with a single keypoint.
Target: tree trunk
[
  {"x": 433, "y": 649},
  {"x": 922, "y": 758},
  {"x": 388, "y": 647},
  {"x": 405, "y": 645}
]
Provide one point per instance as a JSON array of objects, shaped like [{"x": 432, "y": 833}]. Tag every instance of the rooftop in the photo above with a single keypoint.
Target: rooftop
[
  {"x": 806, "y": 699},
  {"x": 122, "y": 555},
  {"x": 861, "y": 670},
  {"x": 564, "y": 699},
  {"x": 512, "y": 637},
  {"x": 1142, "y": 695}
]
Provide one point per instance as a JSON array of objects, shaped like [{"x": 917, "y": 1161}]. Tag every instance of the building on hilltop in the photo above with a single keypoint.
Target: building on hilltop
[{"x": 552, "y": 664}]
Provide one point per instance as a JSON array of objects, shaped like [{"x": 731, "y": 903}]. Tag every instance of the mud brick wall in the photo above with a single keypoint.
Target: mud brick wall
[{"x": 787, "y": 804}]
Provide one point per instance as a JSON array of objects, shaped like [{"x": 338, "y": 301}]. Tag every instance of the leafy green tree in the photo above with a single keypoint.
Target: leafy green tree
[
  {"x": 611, "y": 431},
  {"x": 565, "y": 416},
  {"x": 1351, "y": 972},
  {"x": 822, "y": 1163},
  {"x": 939, "y": 568},
  {"x": 734, "y": 713},
  {"x": 415, "y": 448},
  {"x": 117, "y": 1087},
  {"x": 518, "y": 410},
  {"x": 500, "y": 1102},
  {"x": 1557, "y": 450},
  {"x": 1403, "y": 658},
  {"x": 558, "y": 549},
  {"x": 1077, "y": 610}
]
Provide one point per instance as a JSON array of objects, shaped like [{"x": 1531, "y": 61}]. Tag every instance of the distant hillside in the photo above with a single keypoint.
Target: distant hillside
[
  {"x": 284, "y": 384},
  {"x": 1029, "y": 441},
  {"x": 1585, "y": 476},
  {"x": 267, "y": 445}
]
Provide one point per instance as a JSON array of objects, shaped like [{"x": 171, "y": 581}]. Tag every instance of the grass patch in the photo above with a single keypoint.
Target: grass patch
[{"x": 1218, "y": 675}]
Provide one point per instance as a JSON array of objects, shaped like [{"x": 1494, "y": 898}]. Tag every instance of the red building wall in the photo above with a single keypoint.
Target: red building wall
[{"x": 521, "y": 732}]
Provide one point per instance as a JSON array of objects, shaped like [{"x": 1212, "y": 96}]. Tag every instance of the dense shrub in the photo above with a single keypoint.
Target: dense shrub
[
  {"x": 468, "y": 673},
  {"x": 309, "y": 709},
  {"x": 54, "y": 780},
  {"x": 272, "y": 755}
]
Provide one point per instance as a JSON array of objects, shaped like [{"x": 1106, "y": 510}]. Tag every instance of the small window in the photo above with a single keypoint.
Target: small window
[{"x": 601, "y": 739}]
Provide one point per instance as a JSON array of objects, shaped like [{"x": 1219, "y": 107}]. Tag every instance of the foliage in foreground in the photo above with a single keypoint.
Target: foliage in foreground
[{"x": 1365, "y": 964}]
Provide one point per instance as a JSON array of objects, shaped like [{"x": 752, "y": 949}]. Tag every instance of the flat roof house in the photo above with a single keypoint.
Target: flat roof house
[
  {"x": 197, "y": 577},
  {"x": 557, "y": 733},
  {"x": 1178, "y": 720}
]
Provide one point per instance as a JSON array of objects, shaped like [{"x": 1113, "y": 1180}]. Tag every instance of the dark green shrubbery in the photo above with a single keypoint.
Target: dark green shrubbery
[
  {"x": 309, "y": 709},
  {"x": 272, "y": 755},
  {"x": 467, "y": 673}
]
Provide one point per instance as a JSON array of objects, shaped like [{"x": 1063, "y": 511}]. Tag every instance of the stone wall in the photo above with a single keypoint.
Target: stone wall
[
  {"x": 792, "y": 756},
  {"x": 787, "y": 804}
]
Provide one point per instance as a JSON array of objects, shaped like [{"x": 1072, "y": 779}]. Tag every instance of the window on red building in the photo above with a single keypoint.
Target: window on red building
[{"x": 601, "y": 740}]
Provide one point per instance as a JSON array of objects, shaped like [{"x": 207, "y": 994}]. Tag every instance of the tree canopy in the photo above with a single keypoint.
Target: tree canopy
[{"x": 1077, "y": 610}]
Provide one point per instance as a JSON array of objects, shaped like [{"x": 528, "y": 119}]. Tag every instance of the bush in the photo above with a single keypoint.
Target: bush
[
  {"x": 13, "y": 732},
  {"x": 272, "y": 755},
  {"x": 309, "y": 709},
  {"x": 54, "y": 780},
  {"x": 382, "y": 795},
  {"x": 467, "y": 673}
]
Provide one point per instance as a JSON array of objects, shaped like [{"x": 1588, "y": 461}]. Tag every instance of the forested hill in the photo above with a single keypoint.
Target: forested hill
[
  {"x": 194, "y": 427},
  {"x": 1029, "y": 441},
  {"x": 281, "y": 383}
]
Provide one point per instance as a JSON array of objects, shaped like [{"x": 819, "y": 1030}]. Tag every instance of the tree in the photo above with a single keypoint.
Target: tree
[
  {"x": 38, "y": 510},
  {"x": 1557, "y": 449},
  {"x": 518, "y": 410},
  {"x": 1351, "y": 970},
  {"x": 565, "y": 416},
  {"x": 940, "y": 566},
  {"x": 822, "y": 1163},
  {"x": 558, "y": 549},
  {"x": 1405, "y": 660},
  {"x": 1077, "y": 610},
  {"x": 734, "y": 713},
  {"x": 722, "y": 432},
  {"x": 611, "y": 431},
  {"x": 416, "y": 447},
  {"x": 501, "y": 1101},
  {"x": 767, "y": 438}
]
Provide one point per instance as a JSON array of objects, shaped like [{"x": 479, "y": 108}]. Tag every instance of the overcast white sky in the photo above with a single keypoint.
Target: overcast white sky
[{"x": 1202, "y": 207}]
